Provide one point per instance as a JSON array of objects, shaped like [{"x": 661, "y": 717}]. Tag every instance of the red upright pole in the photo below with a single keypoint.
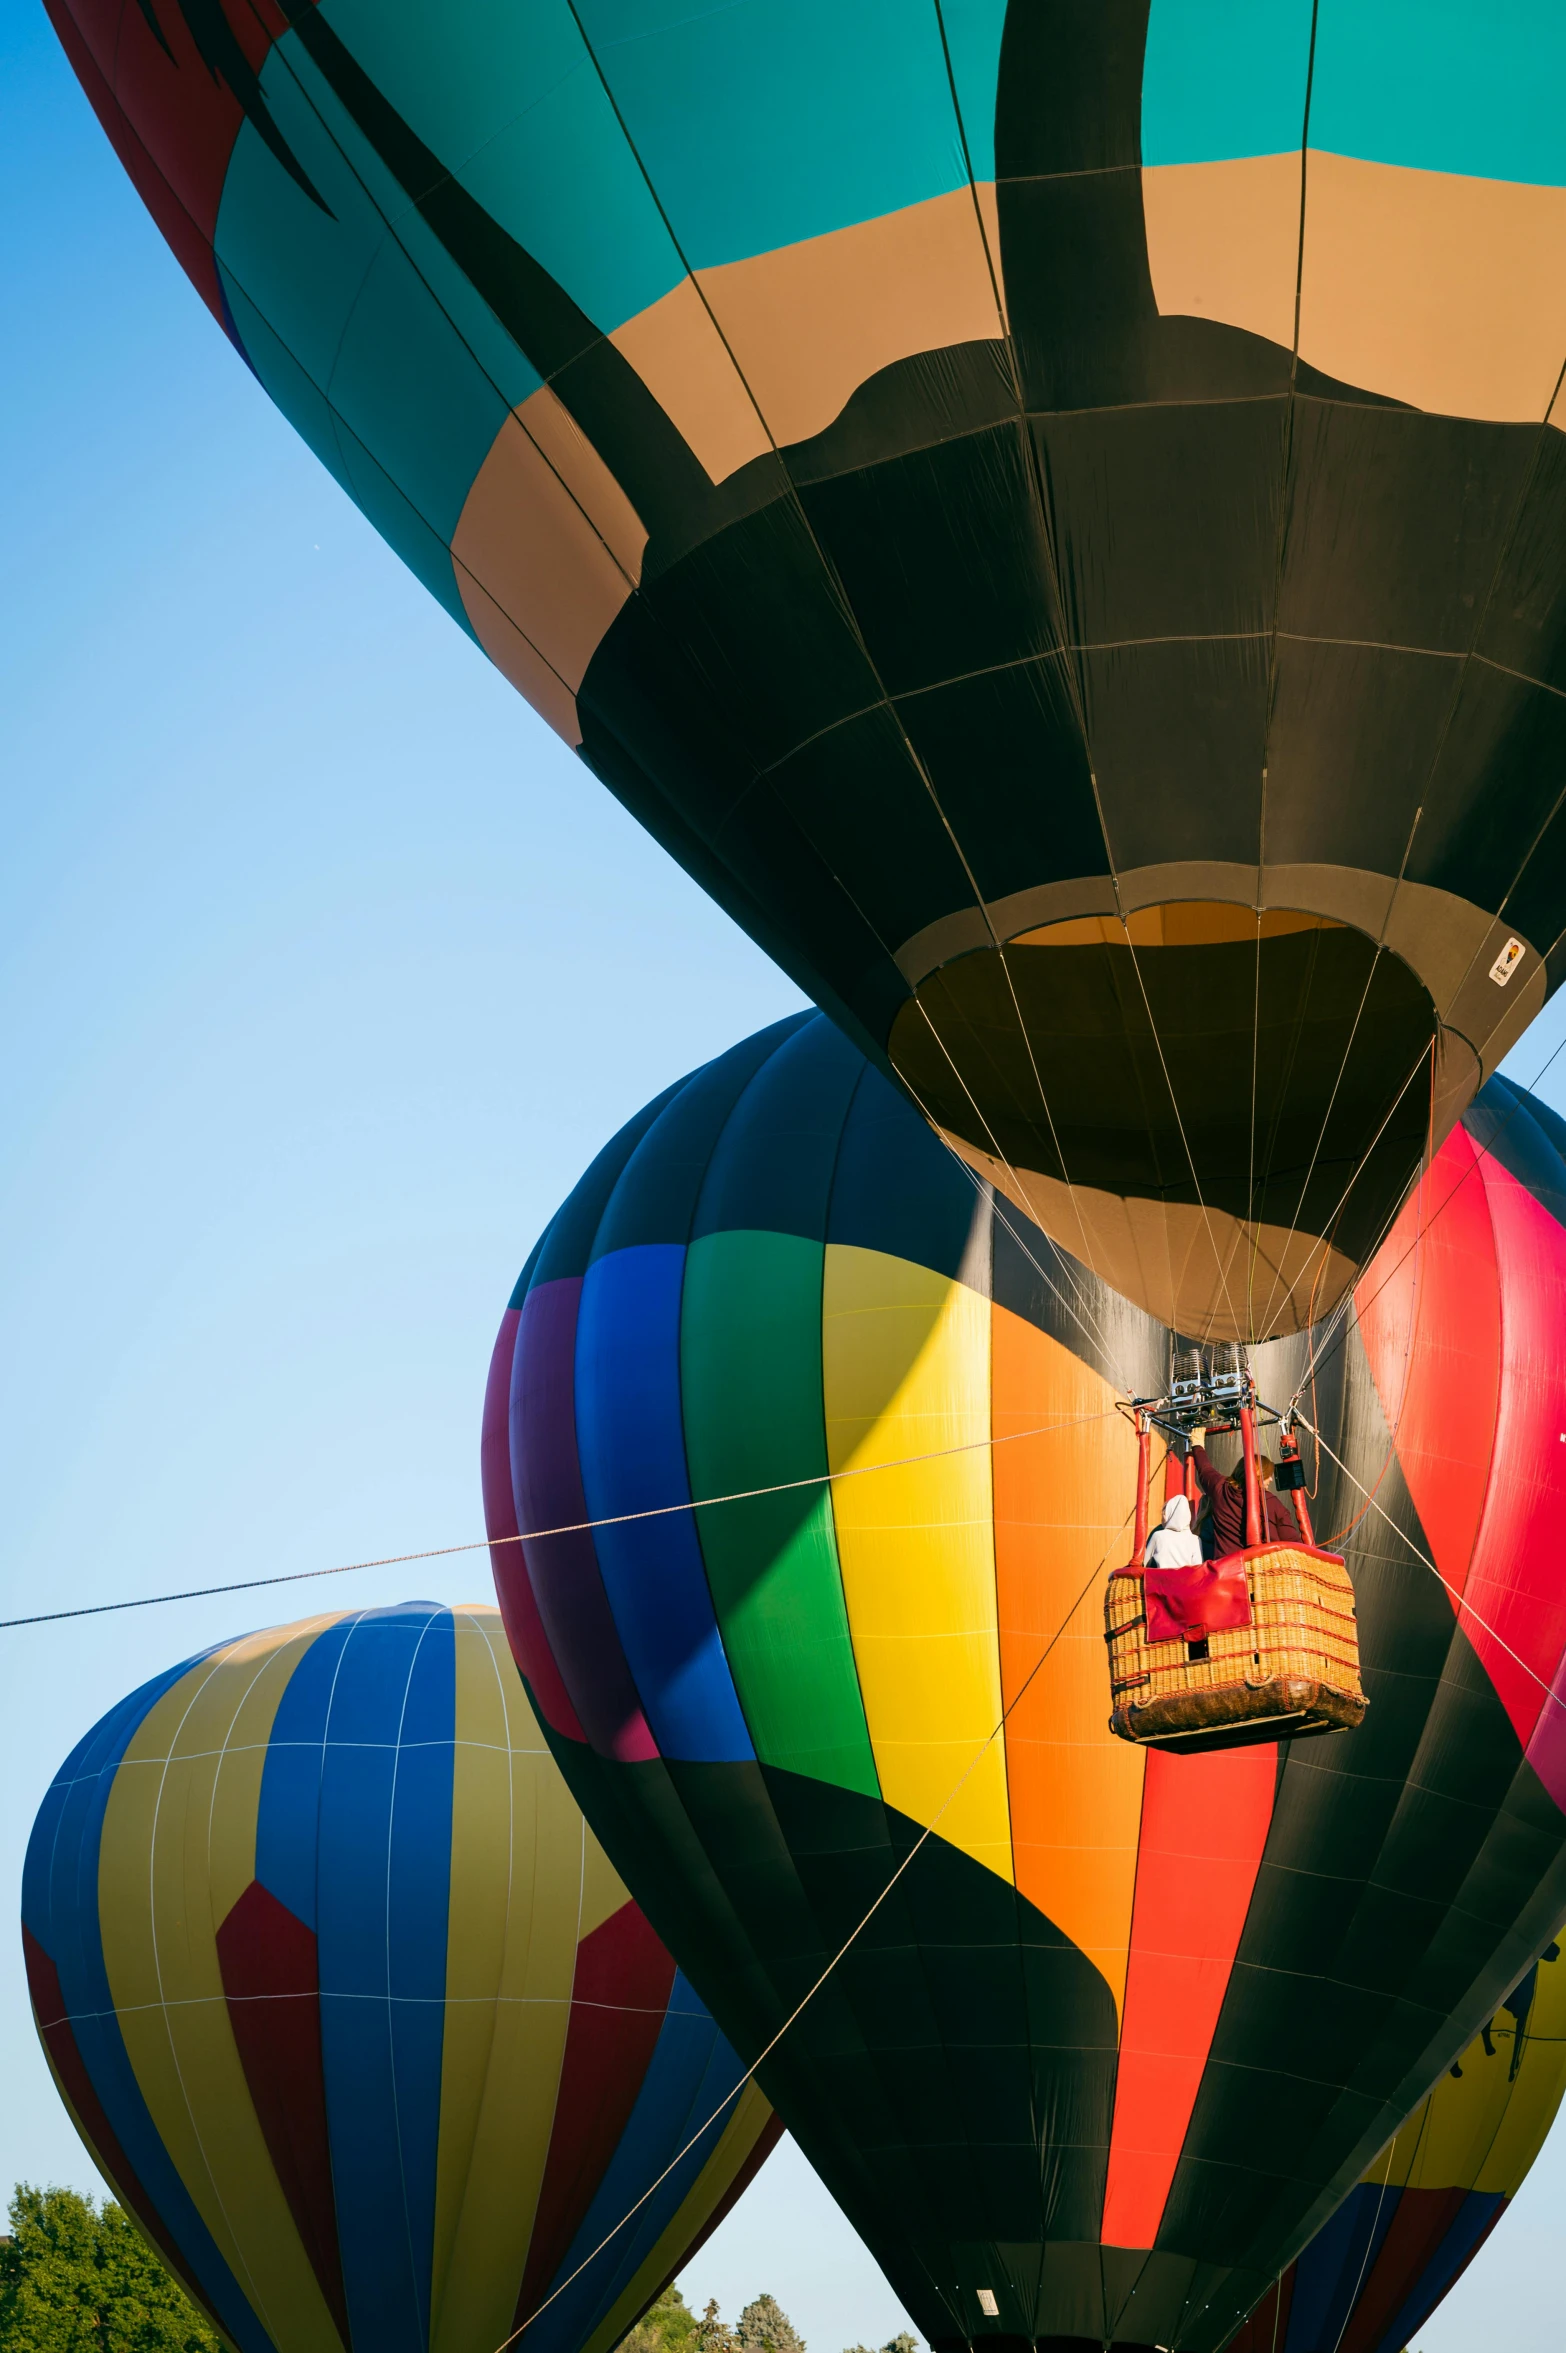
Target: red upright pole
[
  {"x": 1174, "y": 1474},
  {"x": 1253, "y": 1509},
  {"x": 1144, "y": 1455}
]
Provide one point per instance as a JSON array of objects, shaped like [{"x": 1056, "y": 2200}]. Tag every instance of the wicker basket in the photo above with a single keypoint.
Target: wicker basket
[{"x": 1293, "y": 1670}]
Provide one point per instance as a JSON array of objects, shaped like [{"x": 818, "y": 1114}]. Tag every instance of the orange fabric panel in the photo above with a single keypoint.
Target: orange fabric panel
[
  {"x": 1429, "y": 1312},
  {"x": 1204, "y": 1825},
  {"x": 1063, "y": 1507}
]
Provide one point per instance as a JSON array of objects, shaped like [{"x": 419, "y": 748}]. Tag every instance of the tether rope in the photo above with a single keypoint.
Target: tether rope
[{"x": 656, "y": 1511}]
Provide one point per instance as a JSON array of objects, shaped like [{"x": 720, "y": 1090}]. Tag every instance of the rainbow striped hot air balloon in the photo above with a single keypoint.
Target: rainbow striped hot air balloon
[
  {"x": 1127, "y": 2027},
  {"x": 1379, "y": 2268},
  {"x": 351, "y": 2009}
]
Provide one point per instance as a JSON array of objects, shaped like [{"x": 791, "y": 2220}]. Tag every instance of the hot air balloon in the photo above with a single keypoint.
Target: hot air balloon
[
  {"x": 352, "y": 2011},
  {"x": 1376, "y": 2272},
  {"x": 1052, "y": 512},
  {"x": 1104, "y": 2036}
]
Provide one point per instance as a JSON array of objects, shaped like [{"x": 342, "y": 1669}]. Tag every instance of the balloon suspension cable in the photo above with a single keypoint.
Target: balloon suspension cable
[
  {"x": 1463, "y": 1606},
  {"x": 1094, "y": 1577},
  {"x": 656, "y": 1511},
  {"x": 1482, "y": 1152}
]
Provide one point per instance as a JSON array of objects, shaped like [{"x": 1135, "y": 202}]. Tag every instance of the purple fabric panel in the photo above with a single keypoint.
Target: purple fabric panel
[
  {"x": 563, "y": 1570},
  {"x": 524, "y": 1630}
]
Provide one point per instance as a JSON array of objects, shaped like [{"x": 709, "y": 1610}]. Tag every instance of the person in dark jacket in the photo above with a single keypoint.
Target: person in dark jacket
[{"x": 1225, "y": 1493}]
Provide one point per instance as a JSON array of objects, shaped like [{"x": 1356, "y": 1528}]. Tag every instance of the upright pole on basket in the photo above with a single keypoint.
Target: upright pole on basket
[
  {"x": 1174, "y": 1473},
  {"x": 1144, "y": 1463},
  {"x": 1291, "y": 1454},
  {"x": 1253, "y": 1507}
]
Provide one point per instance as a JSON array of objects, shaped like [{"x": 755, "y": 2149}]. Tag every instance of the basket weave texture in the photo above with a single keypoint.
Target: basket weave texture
[{"x": 1299, "y": 1656}]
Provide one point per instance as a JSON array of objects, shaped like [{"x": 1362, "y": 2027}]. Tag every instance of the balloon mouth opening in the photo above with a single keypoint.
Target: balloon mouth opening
[{"x": 1218, "y": 1111}]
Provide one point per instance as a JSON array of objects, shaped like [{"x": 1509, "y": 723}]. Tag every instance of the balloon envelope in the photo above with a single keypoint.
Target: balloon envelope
[
  {"x": 354, "y": 2014},
  {"x": 1054, "y": 513},
  {"x": 1127, "y": 2027},
  {"x": 1376, "y": 2272}
]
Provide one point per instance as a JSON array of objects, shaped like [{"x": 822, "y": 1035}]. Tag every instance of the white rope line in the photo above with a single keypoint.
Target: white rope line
[
  {"x": 927, "y": 1832},
  {"x": 1462, "y": 1603},
  {"x": 657, "y": 1511}
]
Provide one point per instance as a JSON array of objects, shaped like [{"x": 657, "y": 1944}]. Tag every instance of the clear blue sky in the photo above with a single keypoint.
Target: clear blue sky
[{"x": 324, "y": 969}]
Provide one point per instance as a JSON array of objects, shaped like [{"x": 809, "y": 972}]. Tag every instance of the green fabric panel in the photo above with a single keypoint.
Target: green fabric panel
[{"x": 750, "y": 1372}]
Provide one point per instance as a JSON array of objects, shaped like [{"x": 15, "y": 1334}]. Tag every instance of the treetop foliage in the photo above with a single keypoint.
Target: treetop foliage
[{"x": 76, "y": 2280}]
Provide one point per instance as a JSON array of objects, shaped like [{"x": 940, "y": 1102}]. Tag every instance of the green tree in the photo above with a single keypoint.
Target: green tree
[
  {"x": 764, "y": 2327},
  {"x": 667, "y": 2326},
  {"x": 73, "y": 2280}
]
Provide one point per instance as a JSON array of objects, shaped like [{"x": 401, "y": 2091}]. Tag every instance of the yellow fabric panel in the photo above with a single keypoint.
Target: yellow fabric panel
[
  {"x": 1540, "y": 2086},
  {"x": 1065, "y": 1502},
  {"x": 906, "y": 1371},
  {"x": 672, "y": 2250},
  {"x": 510, "y": 1959},
  {"x": 231, "y": 1861},
  {"x": 163, "y": 1974}
]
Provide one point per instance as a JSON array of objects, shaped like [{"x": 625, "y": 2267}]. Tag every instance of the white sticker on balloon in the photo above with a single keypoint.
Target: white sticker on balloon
[
  {"x": 1506, "y": 963},
  {"x": 987, "y": 2304}
]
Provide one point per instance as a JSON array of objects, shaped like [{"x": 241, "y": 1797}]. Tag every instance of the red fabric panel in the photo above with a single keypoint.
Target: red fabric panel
[
  {"x": 619, "y": 1994},
  {"x": 524, "y": 1627},
  {"x": 1413, "y": 2239},
  {"x": 1204, "y": 1825},
  {"x": 1429, "y": 1313},
  {"x": 54, "y": 2027},
  {"x": 1209, "y": 1597},
  {"x": 1514, "y": 1580},
  {"x": 87, "y": 33},
  {"x": 270, "y": 1979},
  {"x": 1266, "y": 2329}
]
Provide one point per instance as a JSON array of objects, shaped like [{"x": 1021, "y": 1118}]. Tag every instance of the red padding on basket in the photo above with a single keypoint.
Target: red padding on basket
[{"x": 1210, "y": 1597}]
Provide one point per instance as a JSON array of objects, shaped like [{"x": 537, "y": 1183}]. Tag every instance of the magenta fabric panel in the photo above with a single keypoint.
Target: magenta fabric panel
[{"x": 563, "y": 1575}]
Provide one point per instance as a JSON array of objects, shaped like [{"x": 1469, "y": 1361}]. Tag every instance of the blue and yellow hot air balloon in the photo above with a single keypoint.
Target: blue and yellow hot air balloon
[{"x": 352, "y": 2011}]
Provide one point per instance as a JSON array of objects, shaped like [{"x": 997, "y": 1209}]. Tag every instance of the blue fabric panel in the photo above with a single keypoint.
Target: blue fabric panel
[
  {"x": 1335, "y": 2266},
  {"x": 973, "y": 39},
  {"x": 383, "y": 1890},
  {"x": 655, "y": 1199},
  {"x": 771, "y": 1167},
  {"x": 765, "y": 122},
  {"x": 1479, "y": 2212},
  {"x": 512, "y": 103},
  {"x": 572, "y": 1231},
  {"x": 631, "y": 1441},
  {"x": 1435, "y": 85},
  {"x": 691, "y": 2073},
  {"x": 897, "y": 1188},
  {"x": 286, "y": 1844},
  {"x": 61, "y": 1908}
]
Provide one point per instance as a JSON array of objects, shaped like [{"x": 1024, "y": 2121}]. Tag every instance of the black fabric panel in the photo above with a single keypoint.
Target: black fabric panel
[
  {"x": 1397, "y": 521},
  {"x": 915, "y": 404},
  {"x": 655, "y": 1196},
  {"x": 1526, "y": 1137},
  {"x": 1005, "y": 757},
  {"x": 1524, "y": 618},
  {"x": 898, "y": 1189},
  {"x": 978, "y": 590},
  {"x": 1495, "y": 786},
  {"x": 1055, "y": 1293},
  {"x": 857, "y": 795},
  {"x": 771, "y": 1168},
  {"x": 1355, "y": 733},
  {"x": 1166, "y": 517},
  {"x": 757, "y": 616},
  {"x": 1179, "y": 735}
]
